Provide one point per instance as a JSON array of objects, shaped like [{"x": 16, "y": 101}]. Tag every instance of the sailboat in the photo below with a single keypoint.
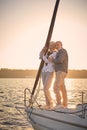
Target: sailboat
[
  {"x": 54, "y": 119},
  {"x": 59, "y": 119}
]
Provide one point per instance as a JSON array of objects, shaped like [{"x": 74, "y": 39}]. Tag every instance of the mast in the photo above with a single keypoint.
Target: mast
[{"x": 46, "y": 44}]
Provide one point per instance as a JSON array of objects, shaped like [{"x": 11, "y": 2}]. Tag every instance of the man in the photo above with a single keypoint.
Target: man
[{"x": 61, "y": 68}]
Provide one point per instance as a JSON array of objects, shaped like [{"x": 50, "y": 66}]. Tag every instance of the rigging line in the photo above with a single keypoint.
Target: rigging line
[
  {"x": 38, "y": 90},
  {"x": 27, "y": 119},
  {"x": 46, "y": 45}
]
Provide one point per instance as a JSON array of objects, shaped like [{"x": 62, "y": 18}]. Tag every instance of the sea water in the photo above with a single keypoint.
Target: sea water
[{"x": 12, "y": 96}]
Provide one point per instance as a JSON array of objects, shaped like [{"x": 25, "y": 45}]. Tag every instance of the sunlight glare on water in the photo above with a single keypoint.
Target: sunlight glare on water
[{"x": 12, "y": 95}]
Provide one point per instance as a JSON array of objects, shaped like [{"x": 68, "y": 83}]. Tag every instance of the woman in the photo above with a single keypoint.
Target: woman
[{"x": 48, "y": 72}]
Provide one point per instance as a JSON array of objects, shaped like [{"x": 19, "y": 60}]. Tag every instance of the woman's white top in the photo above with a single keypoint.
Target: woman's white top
[{"x": 49, "y": 66}]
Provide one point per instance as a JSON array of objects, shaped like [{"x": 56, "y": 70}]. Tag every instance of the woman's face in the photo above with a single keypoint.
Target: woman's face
[{"x": 52, "y": 47}]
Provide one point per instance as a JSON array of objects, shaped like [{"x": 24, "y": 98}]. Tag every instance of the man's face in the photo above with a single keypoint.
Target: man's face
[{"x": 57, "y": 46}]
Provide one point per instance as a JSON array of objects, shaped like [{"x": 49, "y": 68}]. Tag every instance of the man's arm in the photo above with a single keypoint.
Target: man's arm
[{"x": 52, "y": 56}]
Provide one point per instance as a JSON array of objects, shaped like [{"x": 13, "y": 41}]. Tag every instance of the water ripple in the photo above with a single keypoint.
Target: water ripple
[{"x": 12, "y": 93}]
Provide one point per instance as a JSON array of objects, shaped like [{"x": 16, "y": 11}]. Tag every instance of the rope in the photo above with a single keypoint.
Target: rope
[{"x": 22, "y": 114}]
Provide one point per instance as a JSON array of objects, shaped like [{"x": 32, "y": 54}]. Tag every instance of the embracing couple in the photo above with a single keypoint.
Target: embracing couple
[{"x": 55, "y": 62}]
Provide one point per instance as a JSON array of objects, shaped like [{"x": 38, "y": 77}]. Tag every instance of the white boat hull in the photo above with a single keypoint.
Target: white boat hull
[{"x": 61, "y": 119}]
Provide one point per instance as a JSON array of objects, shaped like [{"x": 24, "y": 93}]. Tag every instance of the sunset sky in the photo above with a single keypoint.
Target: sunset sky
[{"x": 24, "y": 26}]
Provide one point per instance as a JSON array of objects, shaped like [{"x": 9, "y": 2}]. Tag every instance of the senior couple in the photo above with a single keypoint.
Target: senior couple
[{"x": 55, "y": 62}]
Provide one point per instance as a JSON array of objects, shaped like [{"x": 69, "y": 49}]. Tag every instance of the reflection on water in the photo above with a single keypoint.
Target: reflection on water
[
  {"x": 75, "y": 87},
  {"x": 12, "y": 93}
]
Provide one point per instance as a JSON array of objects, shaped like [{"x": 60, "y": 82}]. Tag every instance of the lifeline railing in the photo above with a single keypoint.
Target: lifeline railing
[
  {"x": 31, "y": 102},
  {"x": 34, "y": 100},
  {"x": 83, "y": 108}
]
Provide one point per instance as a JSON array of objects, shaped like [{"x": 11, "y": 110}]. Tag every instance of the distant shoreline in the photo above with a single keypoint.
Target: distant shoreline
[{"x": 31, "y": 73}]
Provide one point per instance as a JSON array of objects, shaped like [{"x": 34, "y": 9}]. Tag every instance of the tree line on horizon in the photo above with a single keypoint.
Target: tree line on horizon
[{"x": 17, "y": 73}]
